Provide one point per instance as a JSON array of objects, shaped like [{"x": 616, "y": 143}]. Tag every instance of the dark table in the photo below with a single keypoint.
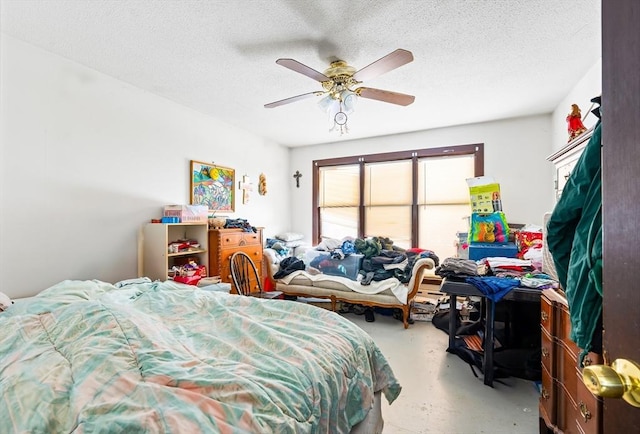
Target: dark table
[{"x": 459, "y": 288}]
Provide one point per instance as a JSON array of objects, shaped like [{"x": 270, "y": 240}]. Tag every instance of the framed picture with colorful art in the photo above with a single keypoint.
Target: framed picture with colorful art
[{"x": 213, "y": 186}]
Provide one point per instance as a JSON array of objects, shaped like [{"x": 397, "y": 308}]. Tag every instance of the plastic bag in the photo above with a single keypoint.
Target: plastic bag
[{"x": 488, "y": 228}]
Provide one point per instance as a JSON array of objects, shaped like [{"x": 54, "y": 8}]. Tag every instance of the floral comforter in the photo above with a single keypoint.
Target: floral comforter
[{"x": 85, "y": 356}]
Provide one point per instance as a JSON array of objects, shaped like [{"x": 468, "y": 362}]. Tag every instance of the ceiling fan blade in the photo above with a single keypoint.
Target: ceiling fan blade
[
  {"x": 292, "y": 99},
  {"x": 296, "y": 66},
  {"x": 385, "y": 96},
  {"x": 387, "y": 63}
]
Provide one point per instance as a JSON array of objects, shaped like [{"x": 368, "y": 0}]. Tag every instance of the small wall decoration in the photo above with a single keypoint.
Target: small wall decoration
[
  {"x": 213, "y": 186},
  {"x": 246, "y": 186},
  {"x": 297, "y": 176},
  {"x": 262, "y": 184}
]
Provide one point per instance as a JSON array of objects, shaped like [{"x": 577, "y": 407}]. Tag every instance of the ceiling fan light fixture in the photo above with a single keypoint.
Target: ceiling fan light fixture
[
  {"x": 338, "y": 105},
  {"x": 338, "y": 82},
  {"x": 349, "y": 99},
  {"x": 325, "y": 103}
]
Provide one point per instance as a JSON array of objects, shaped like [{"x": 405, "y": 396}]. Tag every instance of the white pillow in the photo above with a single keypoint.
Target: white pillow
[
  {"x": 292, "y": 244},
  {"x": 289, "y": 236}
]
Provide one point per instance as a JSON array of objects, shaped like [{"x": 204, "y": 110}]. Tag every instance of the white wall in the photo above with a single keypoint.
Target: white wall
[
  {"x": 87, "y": 159},
  {"x": 514, "y": 154}
]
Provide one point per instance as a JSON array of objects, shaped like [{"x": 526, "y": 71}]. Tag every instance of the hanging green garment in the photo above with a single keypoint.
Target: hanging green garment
[{"x": 574, "y": 237}]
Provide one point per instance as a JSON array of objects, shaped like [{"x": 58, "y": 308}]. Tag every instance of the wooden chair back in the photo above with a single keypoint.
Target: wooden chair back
[{"x": 246, "y": 279}]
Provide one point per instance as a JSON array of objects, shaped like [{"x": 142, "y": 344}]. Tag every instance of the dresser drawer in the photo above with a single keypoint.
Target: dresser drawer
[
  {"x": 546, "y": 315},
  {"x": 252, "y": 239},
  {"x": 225, "y": 268},
  {"x": 226, "y": 277},
  {"x": 239, "y": 239},
  {"x": 254, "y": 252},
  {"x": 225, "y": 273},
  {"x": 565, "y": 331},
  {"x": 589, "y": 409},
  {"x": 567, "y": 411},
  {"x": 547, "y": 398},
  {"x": 547, "y": 352},
  {"x": 566, "y": 374}
]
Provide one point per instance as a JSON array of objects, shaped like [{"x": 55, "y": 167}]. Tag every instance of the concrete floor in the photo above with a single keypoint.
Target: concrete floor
[{"x": 440, "y": 394}]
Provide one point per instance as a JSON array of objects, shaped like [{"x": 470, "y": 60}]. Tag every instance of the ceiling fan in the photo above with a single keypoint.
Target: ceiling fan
[{"x": 339, "y": 81}]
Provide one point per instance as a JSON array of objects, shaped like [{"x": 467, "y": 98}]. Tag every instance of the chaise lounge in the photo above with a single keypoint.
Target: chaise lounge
[{"x": 388, "y": 293}]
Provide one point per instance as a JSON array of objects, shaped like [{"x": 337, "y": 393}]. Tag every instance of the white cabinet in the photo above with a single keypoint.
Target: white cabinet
[
  {"x": 158, "y": 260},
  {"x": 566, "y": 158}
]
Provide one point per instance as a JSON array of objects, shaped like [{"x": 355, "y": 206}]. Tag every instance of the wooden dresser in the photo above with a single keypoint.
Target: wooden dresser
[
  {"x": 225, "y": 242},
  {"x": 566, "y": 406}
]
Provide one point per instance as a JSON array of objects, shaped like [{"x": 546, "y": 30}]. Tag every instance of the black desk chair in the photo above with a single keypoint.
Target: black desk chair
[{"x": 246, "y": 279}]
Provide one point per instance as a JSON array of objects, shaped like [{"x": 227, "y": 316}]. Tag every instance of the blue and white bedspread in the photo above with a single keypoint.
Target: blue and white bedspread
[{"x": 85, "y": 356}]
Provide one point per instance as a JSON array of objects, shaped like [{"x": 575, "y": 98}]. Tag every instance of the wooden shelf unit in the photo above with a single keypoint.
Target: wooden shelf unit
[{"x": 157, "y": 260}]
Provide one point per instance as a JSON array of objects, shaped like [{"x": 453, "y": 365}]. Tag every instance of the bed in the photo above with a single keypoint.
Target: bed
[{"x": 89, "y": 356}]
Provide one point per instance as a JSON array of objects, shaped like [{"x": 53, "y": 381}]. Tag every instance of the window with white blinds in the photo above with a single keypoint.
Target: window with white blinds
[
  {"x": 443, "y": 201},
  {"x": 388, "y": 198},
  {"x": 415, "y": 198},
  {"x": 339, "y": 200}
]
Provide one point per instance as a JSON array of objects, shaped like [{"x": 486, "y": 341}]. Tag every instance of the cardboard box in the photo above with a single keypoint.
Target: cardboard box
[
  {"x": 479, "y": 251},
  {"x": 421, "y": 316},
  {"x": 424, "y": 307},
  {"x": 422, "y": 311},
  {"x": 323, "y": 262},
  {"x": 187, "y": 213}
]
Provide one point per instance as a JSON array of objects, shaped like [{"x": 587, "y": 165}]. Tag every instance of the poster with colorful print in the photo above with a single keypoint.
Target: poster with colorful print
[{"x": 213, "y": 186}]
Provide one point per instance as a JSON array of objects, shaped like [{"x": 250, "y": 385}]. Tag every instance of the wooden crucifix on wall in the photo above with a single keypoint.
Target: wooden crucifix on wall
[
  {"x": 297, "y": 176},
  {"x": 246, "y": 186}
]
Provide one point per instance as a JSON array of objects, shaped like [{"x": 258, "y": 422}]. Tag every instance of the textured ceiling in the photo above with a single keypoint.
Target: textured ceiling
[{"x": 474, "y": 60}]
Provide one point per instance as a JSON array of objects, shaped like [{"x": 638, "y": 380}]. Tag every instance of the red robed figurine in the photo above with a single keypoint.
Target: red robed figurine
[{"x": 574, "y": 121}]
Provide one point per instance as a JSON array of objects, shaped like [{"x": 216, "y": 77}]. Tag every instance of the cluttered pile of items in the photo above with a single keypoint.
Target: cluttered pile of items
[
  {"x": 186, "y": 270},
  {"x": 490, "y": 235},
  {"x": 500, "y": 259},
  {"x": 498, "y": 256}
]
